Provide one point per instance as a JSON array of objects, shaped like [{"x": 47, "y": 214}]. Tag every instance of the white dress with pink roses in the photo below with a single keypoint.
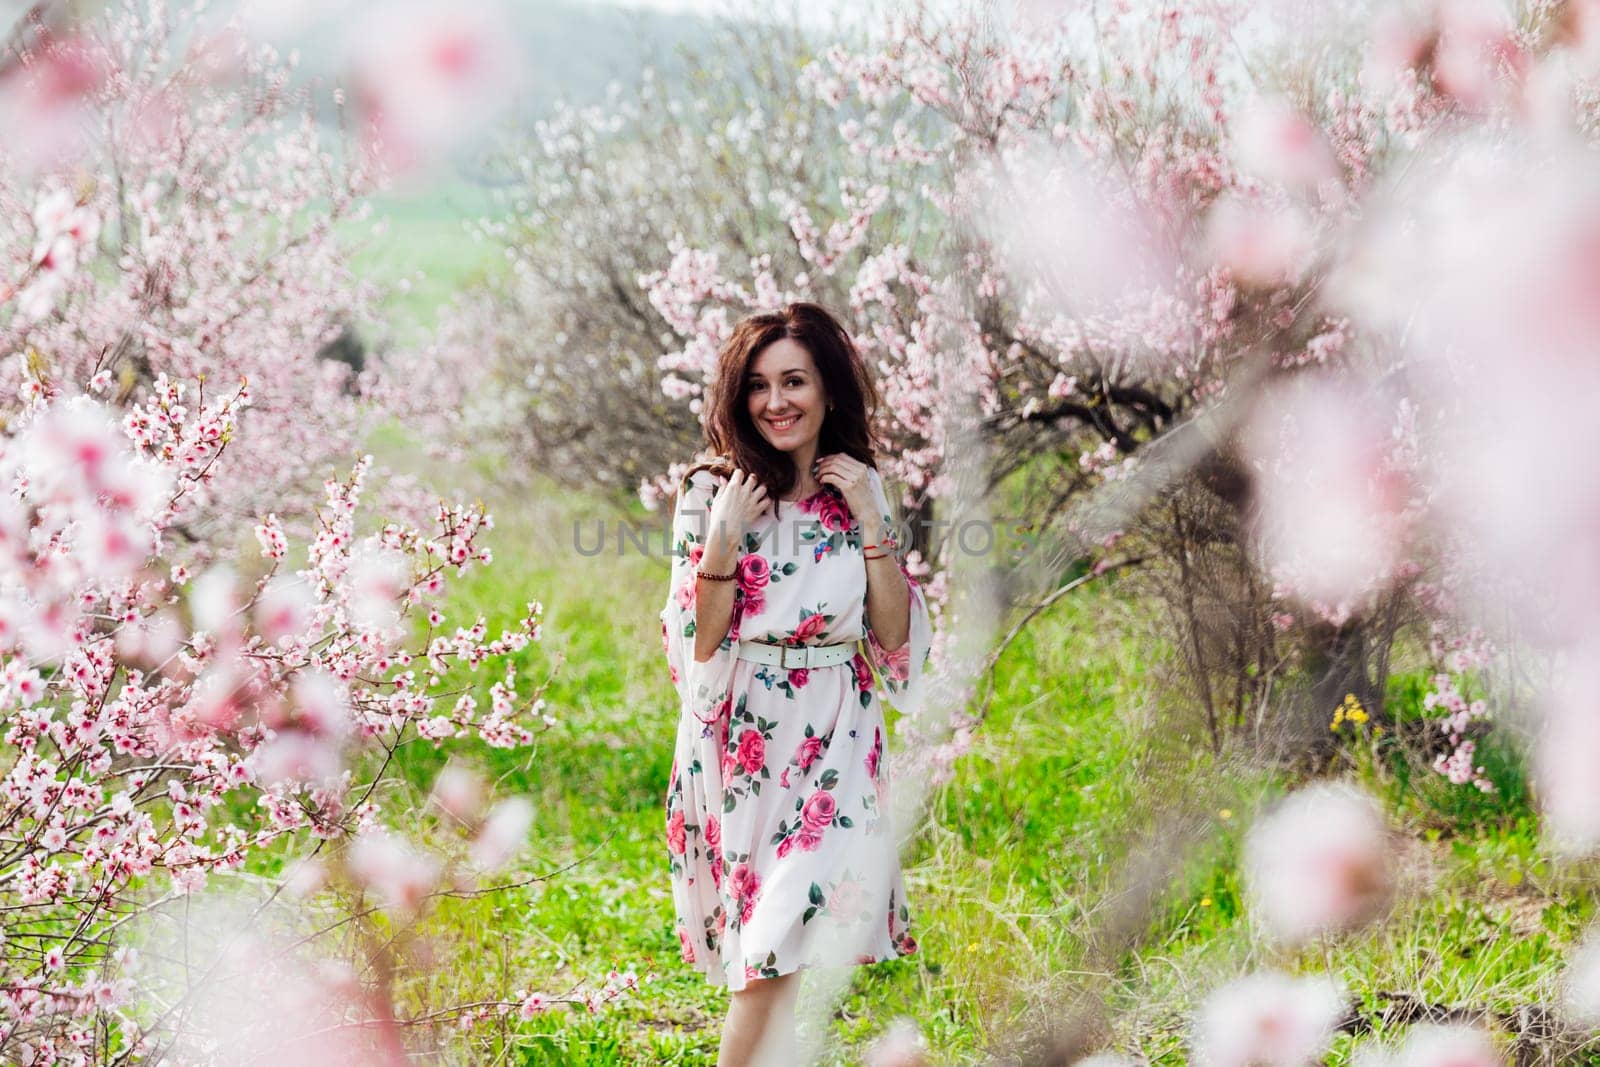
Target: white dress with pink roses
[{"x": 778, "y": 835}]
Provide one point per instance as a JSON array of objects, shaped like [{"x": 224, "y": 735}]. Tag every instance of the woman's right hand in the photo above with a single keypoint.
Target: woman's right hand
[{"x": 738, "y": 504}]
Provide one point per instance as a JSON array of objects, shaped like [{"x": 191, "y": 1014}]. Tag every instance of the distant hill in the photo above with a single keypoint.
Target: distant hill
[{"x": 576, "y": 50}]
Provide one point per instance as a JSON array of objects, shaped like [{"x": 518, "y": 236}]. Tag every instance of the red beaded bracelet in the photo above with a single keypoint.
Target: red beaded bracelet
[{"x": 730, "y": 576}]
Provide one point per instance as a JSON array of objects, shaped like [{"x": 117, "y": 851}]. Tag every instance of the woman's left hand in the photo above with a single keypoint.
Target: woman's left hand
[{"x": 849, "y": 475}]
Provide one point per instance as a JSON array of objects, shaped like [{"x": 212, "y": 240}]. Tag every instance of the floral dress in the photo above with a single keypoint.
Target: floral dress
[{"x": 778, "y": 833}]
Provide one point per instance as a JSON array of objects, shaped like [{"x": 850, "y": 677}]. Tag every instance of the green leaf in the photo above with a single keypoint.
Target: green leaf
[{"x": 815, "y": 896}]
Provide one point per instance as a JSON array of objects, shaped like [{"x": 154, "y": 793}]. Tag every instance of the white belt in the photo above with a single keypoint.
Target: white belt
[{"x": 790, "y": 657}]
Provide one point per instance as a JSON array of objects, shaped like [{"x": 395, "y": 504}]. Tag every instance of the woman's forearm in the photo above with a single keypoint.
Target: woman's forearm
[
  {"x": 713, "y": 600},
  {"x": 888, "y": 596}
]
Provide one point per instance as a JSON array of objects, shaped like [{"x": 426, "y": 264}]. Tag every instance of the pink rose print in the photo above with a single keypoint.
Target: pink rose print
[
  {"x": 863, "y": 673},
  {"x": 713, "y": 835},
  {"x": 799, "y": 677},
  {"x": 685, "y": 946},
  {"x": 754, "y": 573},
  {"x": 809, "y": 627},
  {"x": 686, "y": 594},
  {"x": 752, "y": 751},
  {"x": 818, "y": 812},
  {"x": 846, "y": 900},
  {"x": 695, "y": 554},
  {"x": 783, "y": 779},
  {"x": 750, "y": 973},
  {"x": 808, "y": 840},
  {"x": 730, "y": 766},
  {"x": 745, "y": 885},
  {"x": 875, "y": 753},
  {"x": 907, "y": 944},
  {"x": 808, "y": 752},
  {"x": 675, "y": 834},
  {"x": 674, "y": 672},
  {"x": 896, "y": 664},
  {"x": 833, "y": 513}
]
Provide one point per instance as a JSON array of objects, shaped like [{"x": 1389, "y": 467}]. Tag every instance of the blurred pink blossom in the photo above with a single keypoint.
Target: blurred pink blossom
[
  {"x": 1267, "y": 1019},
  {"x": 1274, "y": 142},
  {"x": 900, "y": 1045},
  {"x": 1082, "y": 233},
  {"x": 1447, "y": 1046},
  {"x": 503, "y": 834},
  {"x": 458, "y": 793},
  {"x": 1580, "y": 984},
  {"x": 428, "y": 76},
  {"x": 1331, "y": 499},
  {"x": 1566, "y": 752},
  {"x": 46, "y": 103},
  {"x": 401, "y": 876},
  {"x": 1319, "y": 862},
  {"x": 1261, "y": 248}
]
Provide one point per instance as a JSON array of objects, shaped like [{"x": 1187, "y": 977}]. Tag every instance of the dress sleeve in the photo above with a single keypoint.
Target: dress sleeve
[
  {"x": 903, "y": 670},
  {"x": 703, "y": 688}
]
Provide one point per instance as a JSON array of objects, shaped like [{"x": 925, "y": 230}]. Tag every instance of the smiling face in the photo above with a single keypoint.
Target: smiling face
[{"x": 784, "y": 395}]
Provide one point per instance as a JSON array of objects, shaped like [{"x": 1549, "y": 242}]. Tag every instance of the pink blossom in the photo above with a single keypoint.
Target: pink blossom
[
  {"x": 1565, "y": 751},
  {"x": 1261, "y": 248},
  {"x": 1267, "y": 1020},
  {"x": 1319, "y": 862},
  {"x": 1276, "y": 143},
  {"x": 503, "y": 834},
  {"x": 1332, "y": 497},
  {"x": 44, "y": 103},
  {"x": 284, "y": 609},
  {"x": 458, "y": 793},
  {"x": 401, "y": 876},
  {"x": 1447, "y": 1046},
  {"x": 427, "y": 79},
  {"x": 798, "y": 677},
  {"x": 1580, "y": 984},
  {"x": 900, "y": 1045}
]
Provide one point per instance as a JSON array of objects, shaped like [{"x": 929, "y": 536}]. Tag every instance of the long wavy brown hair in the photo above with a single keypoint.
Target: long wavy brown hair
[{"x": 732, "y": 438}]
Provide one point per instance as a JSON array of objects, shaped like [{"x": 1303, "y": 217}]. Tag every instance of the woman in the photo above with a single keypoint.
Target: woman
[{"x": 781, "y": 852}]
